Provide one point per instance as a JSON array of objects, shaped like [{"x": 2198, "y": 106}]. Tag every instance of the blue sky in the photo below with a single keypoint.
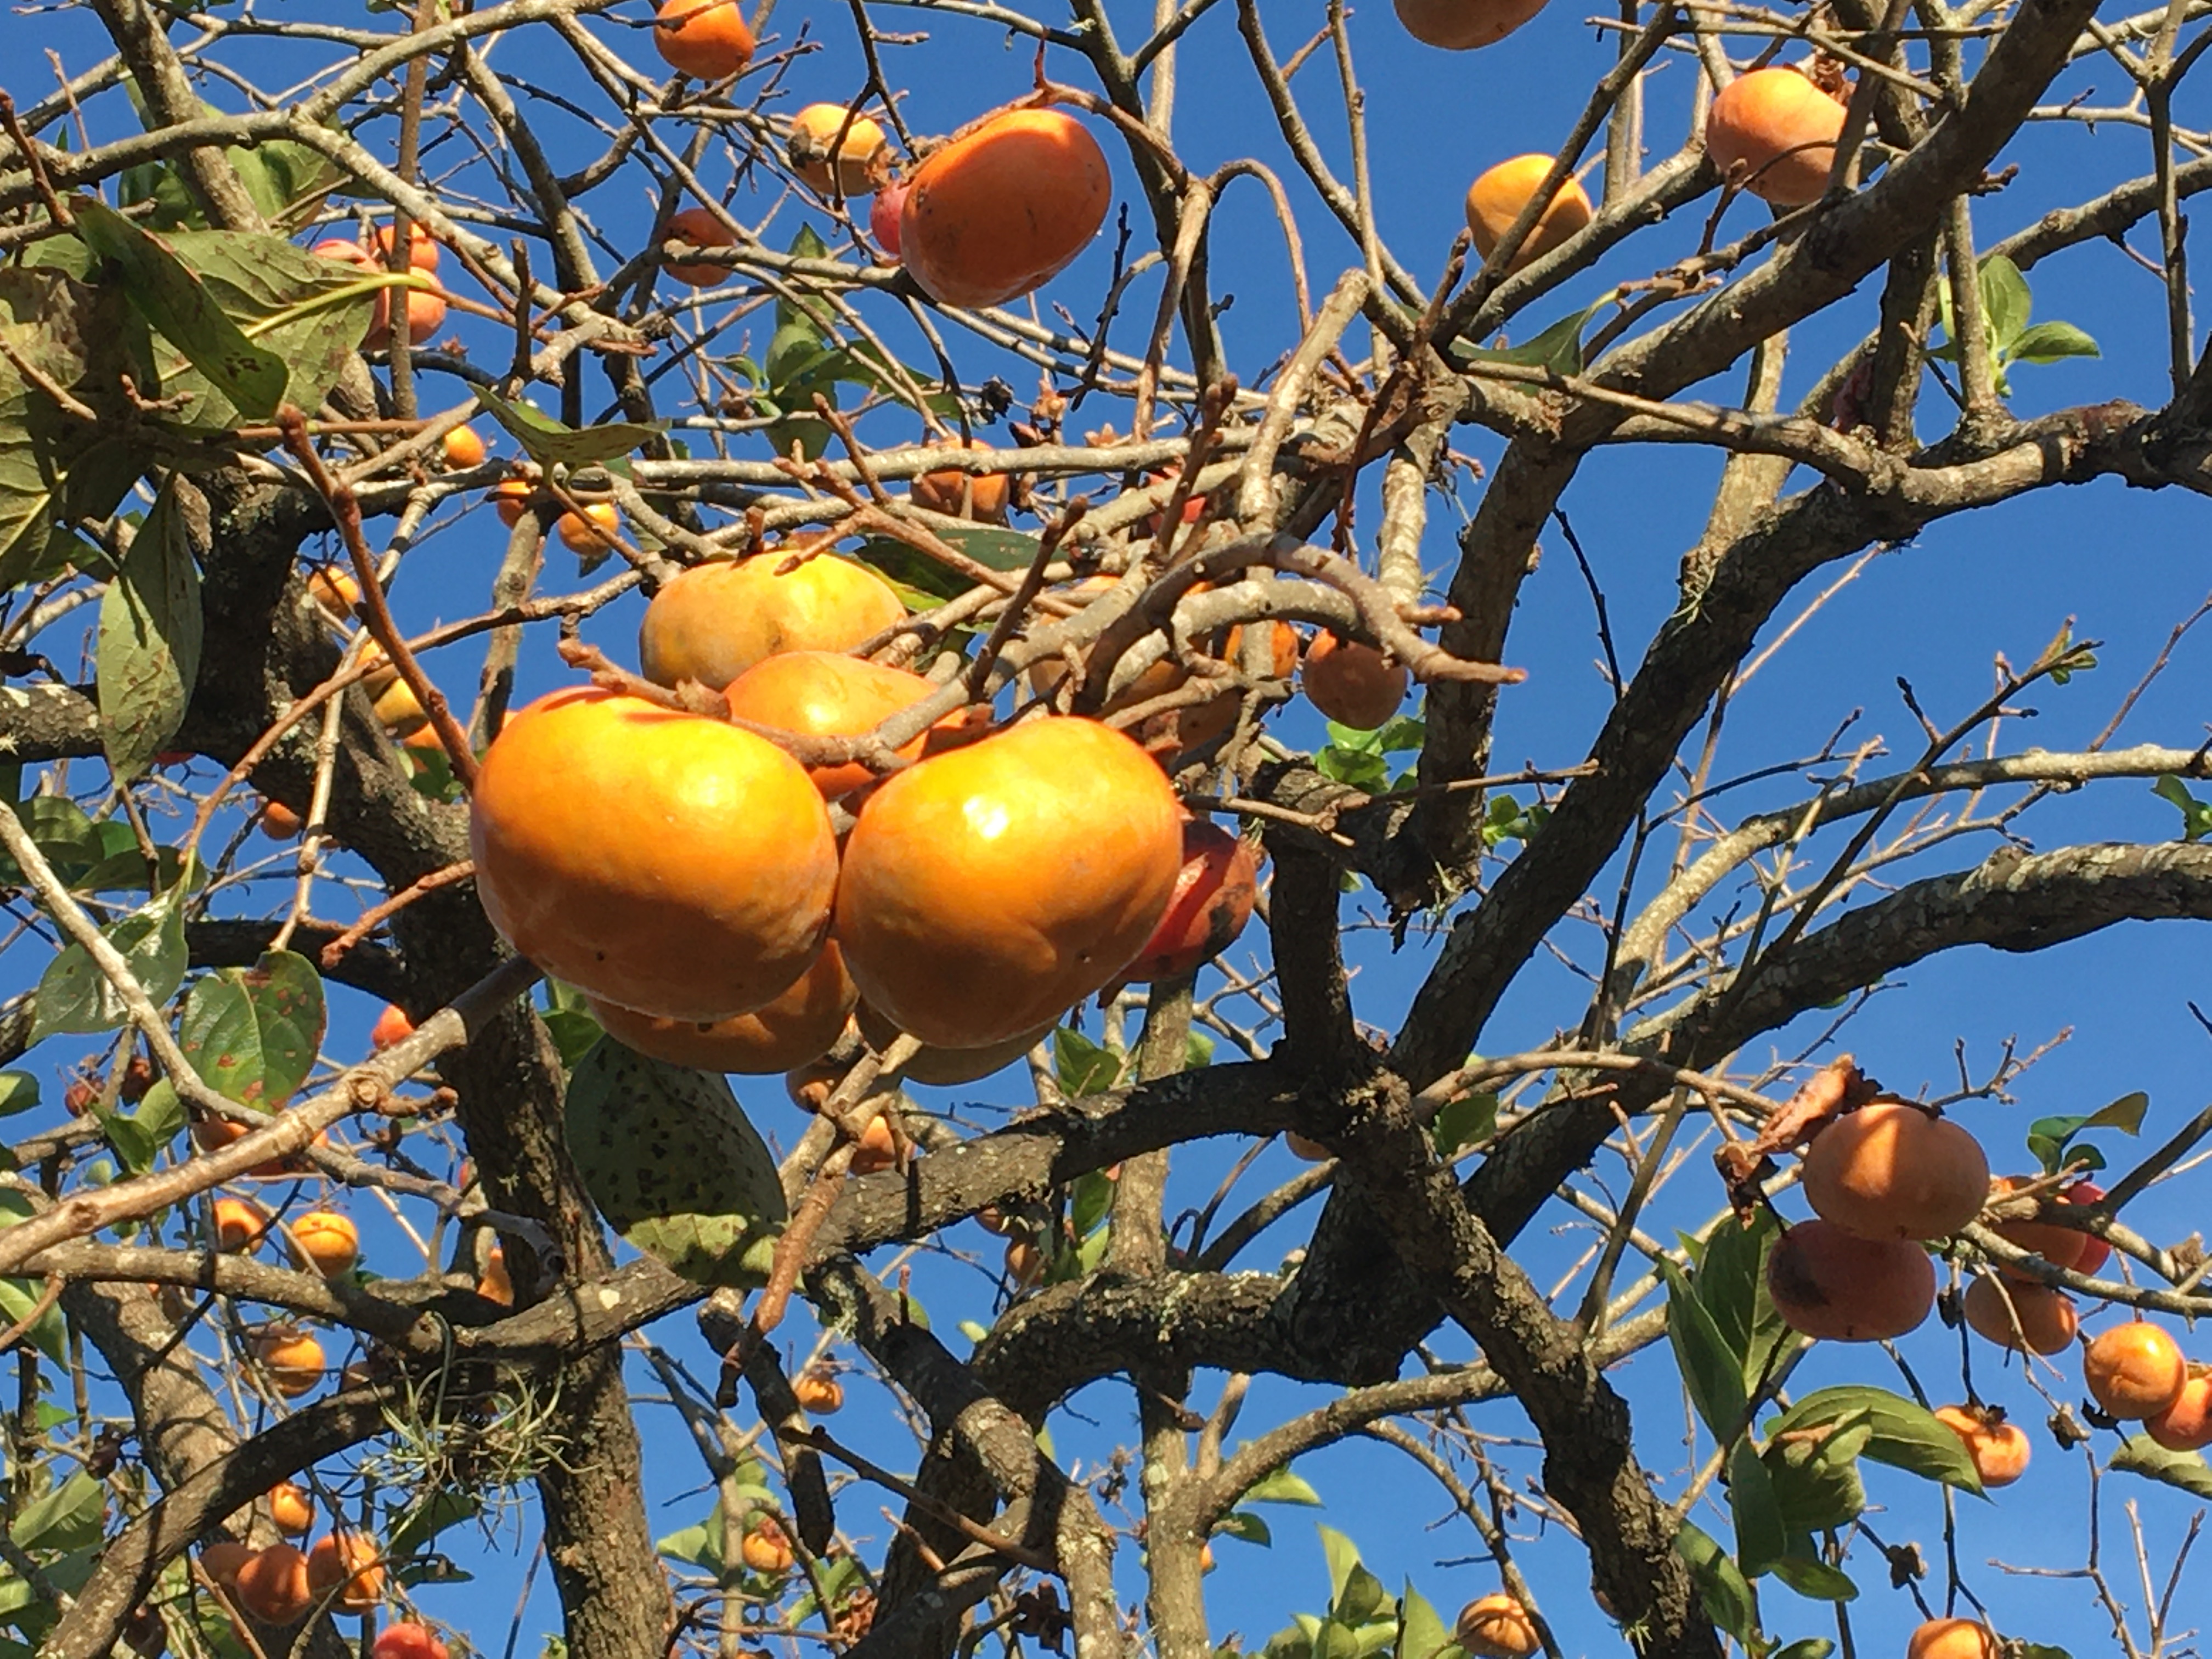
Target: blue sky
[{"x": 2126, "y": 564}]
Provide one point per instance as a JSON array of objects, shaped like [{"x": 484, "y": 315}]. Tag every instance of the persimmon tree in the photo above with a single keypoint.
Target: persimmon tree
[{"x": 293, "y": 1313}]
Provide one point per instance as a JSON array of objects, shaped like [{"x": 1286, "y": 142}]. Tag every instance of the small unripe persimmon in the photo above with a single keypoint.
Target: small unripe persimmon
[
  {"x": 463, "y": 448},
  {"x": 392, "y": 1026},
  {"x": 765, "y": 1548},
  {"x": 2019, "y": 1314},
  {"x": 1832, "y": 1284},
  {"x": 240, "y": 1223},
  {"x": 1497, "y": 1627},
  {"x": 2134, "y": 1370},
  {"x": 328, "y": 1241},
  {"x": 2186, "y": 1425},
  {"x": 708, "y": 39},
  {"x": 1892, "y": 1170},
  {"x": 278, "y": 821},
  {"x": 819, "y": 1393},
  {"x": 346, "y": 1565},
  {"x": 1353, "y": 684},
  {"x": 1952, "y": 1639},
  {"x": 2000, "y": 1450},
  {"x": 272, "y": 1585},
  {"x": 290, "y": 1508},
  {"x": 222, "y": 1560}
]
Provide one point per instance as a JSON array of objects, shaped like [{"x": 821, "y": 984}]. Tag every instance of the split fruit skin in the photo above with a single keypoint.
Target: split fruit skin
[
  {"x": 1782, "y": 128},
  {"x": 714, "y": 621},
  {"x": 800, "y": 1023},
  {"x": 1830, "y": 1283},
  {"x": 999, "y": 212},
  {"x": 661, "y": 861},
  {"x": 988, "y": 890}
]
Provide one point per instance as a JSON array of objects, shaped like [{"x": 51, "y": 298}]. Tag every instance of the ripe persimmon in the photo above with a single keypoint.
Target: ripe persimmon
[
  {"x": 290, "y": 1508},
  {"x": 1025, "y": 1264},
  {"x": 1952, "y": 1639},
  {"x": 211, "y": 1134},
  {"x": 706, "y": 40},
  {"x": 422, "y": 252},
  {"x": 593, "y": 530},
  {"x": 272, "y": 1585},
  {"x": 987, "y": 888},
  {"x": 807, "y": 1086},
  {"x": 1781, "y": 129},
  {"x": 406, "y": 1640},
  {"x": 702, "y": 229},
  {"x": 978, "y": 496},
  {"x": 1463, "y": 25},
  {"x": 663, "y": 861},
  {"x": 765, "y": 1548},
  {"x": 2019, "y": 1314},
  {"x": 878, "y": 1147},
  {"x": 1212, "y": 900},
  {"x": 2134, "y": 1370},
  {"x": 802, "y": 1022},
  {"x": 328, "y": 1241},
  {"x": 714, "y": 621},
  {"x": 1892, "y": 1170},
  {"x": 392, "y": 1026},
  {"x": 2098, "y": 1252},
  {"x": 278, "y": 821},
  {"x": 943, "y": 1067},
  {"x": 398, "y": 710},
  {"x": 1829, "y": 1283},
  {"x": 336, "y": 593},
  {"x": 1353, "y": 684},
  {"x": 511, "y": 498},
  {"x": 1495, "y": 200},
  {"x": 222, "y": 1560},
  {"x": 999, "y": 211},
  {"x": 2000, "y": 1450},
  {"x": 463, "y": 447},
  {"x": 2061, "y": 1247},
  {"x": 2186, "y": 1425},
  {"x": 240, "y": 1223},
  {"x": 1496, "y": 1627},
  {"x": 494, "y": 1284},
  {"x": 827, "y": 693},
  {"x": 828, "y": 164},
  {"x": 819, "y": 1393},
  {"x": 293, "y": 1358},
  {"x": 347, "y": 1567},
  {"x": 426, "y": 310}
]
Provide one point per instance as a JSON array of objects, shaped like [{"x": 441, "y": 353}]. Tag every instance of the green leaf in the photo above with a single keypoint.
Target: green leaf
[
  {"x": 149, "y": 653},
  {"x": 49, "y": 1333},
  {"x": 74, "y": 997},
  {"x": 138, "y": 1136},
  {"x": 1355, "y": 1594},
  {"x": 1091, "y": 1196},
  {"x": 1421, "y": 1632},
  {"x": 1712, "y": 1371},
  {"x": 1355, "y": 768},
  {"x": 253, "y": 1032},
  {"x": 2005, "y": 299},
  {"x": 1902, "y": 1434},
  {"x": 1760, "y": 1538},
  {"x": 574, "y": 1032},
  {"x": 550, "y": 443},
  {"x": 1281, "y": 1486},
  {"x": 2196, "y": 814},
  {"x": 1727, "y": 1595},
  {"x": 173, "y": 299},
  {"x": 1246, "y": 1527},
  {"x": 1558, "y": 348},
  {"x": 1081, "y": 1066},
  {"x": 1731, "y": 1285},
  {"x": 700, "y": 1545},
  {"x": 2125, "y": 1114},
  {"x": 1810, "y": 1647},
  {"x": 1463, "y": 1121},
  {"x": 19, "y": 1092},
  {"x": 1816, "y": 1480},
  {"x": 2140, "y": 1454},
  {"x": 1815, "y": 1580},
  {"x": 2047, "y": 342},
  {"x": 68, "y": 1517},
  {"x": 674, "y": 1165}
]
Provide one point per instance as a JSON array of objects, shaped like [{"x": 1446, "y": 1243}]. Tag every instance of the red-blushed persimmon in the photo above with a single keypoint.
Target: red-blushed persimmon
[
  {"x": 328, "y": 1241},
  {"x": 663, "y": 861},
  {"x": 406, "y": 1640},
  {"x": 1892, "y": 1170},
  {"x": 347, "y": 1567},
  {"x": 2061, "y": 1247},
  {"x": 706, "y": 40},
  {"x": 240, "y": 1223},
  {"x": 1781, "y": 129},
  {"x": 702, "y": 229},
  {"x": 222, "y": 1560},
  {"x": 1952, "y": 1639},
  {"x": 827, "y": 693},
  {"x": 943, "y": 1067},
  {"x": 2186, "y": 1425},
  {"x": 819, "y": 1393},
  {"x": 1212, "y": 900},
  {"x": 591, "y": 531},
  {"x": 290, "y": 1508},
  {"x": 1829, "y": 1283},
  {"x": 392, "y": 1026},
  {"x": 765, "y": 1548},
  {"x": 293, "y": 1358},
  {"x": 1496, "y": 198},
  {"x": 714, "y": 621},
  {"x": 827, "y": 163},
  {"x": 2097, "y": 1253},
  {"x": 1353, "y": 684},
  {"x": 979, "y": 496},
  {"x": 1496, "y": 1627},
  {"x": 999, "y": 211},
  {"x": 2018, "y": 1315},
  {"x": 801, "y": 1023},
  {"x": 2134, "y": 1370},
  {"x": 883, "y": 215},
  {"x": 1464, "y": 25},
  {"x": 2000, "y": 1450},
  {"x": 272, "y": 1585},
  {"x": 988, "y": 889},
  {"x": 463, "y": 447}
]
